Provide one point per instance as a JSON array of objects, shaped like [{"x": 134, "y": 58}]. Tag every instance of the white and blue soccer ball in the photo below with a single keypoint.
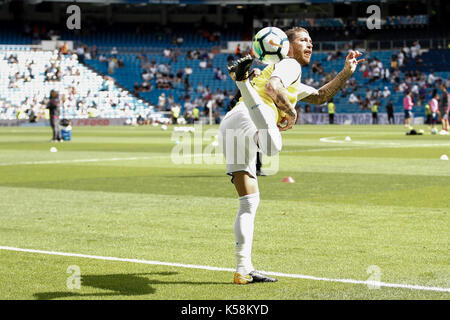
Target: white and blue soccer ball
[{"x": 270, "y": 45}]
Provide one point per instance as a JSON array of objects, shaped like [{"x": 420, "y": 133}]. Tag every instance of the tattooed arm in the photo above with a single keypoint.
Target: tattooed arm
[
  {"x": 279, "y": 94},
  {"x": 326, "y": 92}
]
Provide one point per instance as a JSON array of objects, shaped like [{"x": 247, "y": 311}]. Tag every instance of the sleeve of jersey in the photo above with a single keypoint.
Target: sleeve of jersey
[
  {"x": 305, "y": 91},
  {"x": 288, "y": 70}
]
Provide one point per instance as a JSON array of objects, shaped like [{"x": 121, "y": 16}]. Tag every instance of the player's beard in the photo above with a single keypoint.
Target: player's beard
[{"x": 300, "y": 57}]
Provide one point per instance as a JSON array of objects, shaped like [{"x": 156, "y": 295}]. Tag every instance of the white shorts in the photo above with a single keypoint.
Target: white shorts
[{"x": 237, "y": 136}]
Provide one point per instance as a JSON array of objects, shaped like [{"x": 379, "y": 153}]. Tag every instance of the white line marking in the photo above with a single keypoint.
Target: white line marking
[
  {"x": 385, "y": 144},
  {"x": 192, "y": 266},
  {"x": 71, "y": 161}
]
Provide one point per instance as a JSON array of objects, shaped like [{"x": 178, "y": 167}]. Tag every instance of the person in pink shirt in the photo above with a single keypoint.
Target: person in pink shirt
[
  {"x": 434, "y": 108},
  {"x": 407, "y": 105}
]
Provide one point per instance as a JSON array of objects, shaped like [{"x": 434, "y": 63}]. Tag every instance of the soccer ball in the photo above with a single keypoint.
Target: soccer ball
[
  {"x": 434, "y": 131},
  {"x": 270, "y": 45}
]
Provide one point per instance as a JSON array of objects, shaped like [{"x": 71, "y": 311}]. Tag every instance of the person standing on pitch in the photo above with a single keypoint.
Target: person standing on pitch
[
  {"x": 331, "y": 110},
  {"x": 390, "y": 112},
  {"x": 443, "y": 110},
  {"x": 407, "y": 106},
  {"x": 256, "y": 121},
  {"x": 427, "y": 114},
  {"x": 374, "y": 110},
  {"x": 434, "y": 108},
  {"x": 259, "y": 171},
  {"x": 53, "y": 106}
]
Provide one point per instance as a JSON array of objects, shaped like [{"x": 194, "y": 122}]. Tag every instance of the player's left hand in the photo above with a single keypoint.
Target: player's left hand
[{"x": 351, "y": 61}]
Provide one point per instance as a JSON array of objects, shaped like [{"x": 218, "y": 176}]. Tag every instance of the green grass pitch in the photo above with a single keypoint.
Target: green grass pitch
[{"x": 381, "y": 199}]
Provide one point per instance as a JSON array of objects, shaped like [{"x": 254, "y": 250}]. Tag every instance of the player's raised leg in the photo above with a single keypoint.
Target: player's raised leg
[{"x": 263, "y": 116}]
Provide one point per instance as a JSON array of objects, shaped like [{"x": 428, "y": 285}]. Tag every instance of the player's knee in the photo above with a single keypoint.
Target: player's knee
[
  {"x": 270, "y": 142},
  {"x": 273, "y": 148}
]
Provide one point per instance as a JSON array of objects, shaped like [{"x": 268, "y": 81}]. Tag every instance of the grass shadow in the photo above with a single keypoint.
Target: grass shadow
[{"x": 119, "y": 285}]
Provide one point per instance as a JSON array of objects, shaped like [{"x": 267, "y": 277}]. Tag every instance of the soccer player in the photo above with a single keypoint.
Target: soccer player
[
  {"x": 266, "y": 101},
  {"x": 443, "y": 110},
  {"x": 434, "y": 108},
  {"x": 407, "y": 106}
]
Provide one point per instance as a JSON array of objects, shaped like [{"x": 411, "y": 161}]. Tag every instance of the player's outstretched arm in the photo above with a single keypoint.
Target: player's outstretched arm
[{"x": 326, "y": 92}]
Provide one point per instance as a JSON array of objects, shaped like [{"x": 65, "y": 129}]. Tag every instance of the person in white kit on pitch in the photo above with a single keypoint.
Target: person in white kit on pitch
[{"x": 267, "y": 106}]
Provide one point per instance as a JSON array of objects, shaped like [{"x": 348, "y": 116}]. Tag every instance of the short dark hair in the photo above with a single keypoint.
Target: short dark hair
[{"x": 292, "y": 33}]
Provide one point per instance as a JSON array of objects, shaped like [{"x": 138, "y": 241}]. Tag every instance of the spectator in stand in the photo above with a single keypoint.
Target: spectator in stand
[
  {"x": 368, "y": 93},
  {"x": 237, "y": 51},
  {"x": 431, "y": 79},
  {"x": 188, "y": 70},
  {"x": 203, "y": 64},
  {"x": 64, "y": 49},
  {"x": 80, "y": 53},
  {"x": 401, "y": 59},
  {"x": 386, "y": 92},
  {"x": 219, "y": 74},
  {"x": 136, "y": 88},
  {"x": 230, "y": 59},
  {"x": 403, "y": 87},
  {"x": 170, "y": 102},
  {"x": 200, "y": 89},
  {"x": 415, "y": 49},
  {"x": 187, "y": 85},
  {"x": 162, "y": 102},
  {"x": 188, "y": 106},
  {"x": 112, "y": 64},
  {"x": 167, "y": 52},
  {"x": 146, "y": 86},
  {"x": 353, "y": 99},
  {"x": 94, "y": 52}
]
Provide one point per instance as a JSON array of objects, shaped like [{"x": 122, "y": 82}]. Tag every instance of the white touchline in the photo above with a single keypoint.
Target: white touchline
[
  {"x": 71, "y": 161},
  {"x": 382, "y": 144},
  {"x": 193, "y": 266}
]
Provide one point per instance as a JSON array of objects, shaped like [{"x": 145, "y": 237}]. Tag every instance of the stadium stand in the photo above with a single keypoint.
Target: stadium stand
[
  {"x": 28, "y": 76},
  {"x": 204, "y": 83}
]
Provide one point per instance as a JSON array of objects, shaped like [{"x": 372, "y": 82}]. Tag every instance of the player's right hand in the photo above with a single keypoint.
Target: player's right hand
[{"x": 290, "y": 121}]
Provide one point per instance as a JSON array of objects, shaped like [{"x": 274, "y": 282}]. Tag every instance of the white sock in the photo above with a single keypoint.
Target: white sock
[
  {"x": 243, "y": 232},
  {"x": 264, "y": 118}
]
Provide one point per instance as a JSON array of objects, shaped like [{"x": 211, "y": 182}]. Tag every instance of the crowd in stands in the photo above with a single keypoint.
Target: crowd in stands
[
  {"x": 83, "y": 93},
  {"x": 379, "y": 80},
  {"x": 196, "y": 101}
]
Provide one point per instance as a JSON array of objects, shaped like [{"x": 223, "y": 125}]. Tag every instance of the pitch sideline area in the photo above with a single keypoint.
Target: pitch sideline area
[{"x": 210, "y": 268}]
